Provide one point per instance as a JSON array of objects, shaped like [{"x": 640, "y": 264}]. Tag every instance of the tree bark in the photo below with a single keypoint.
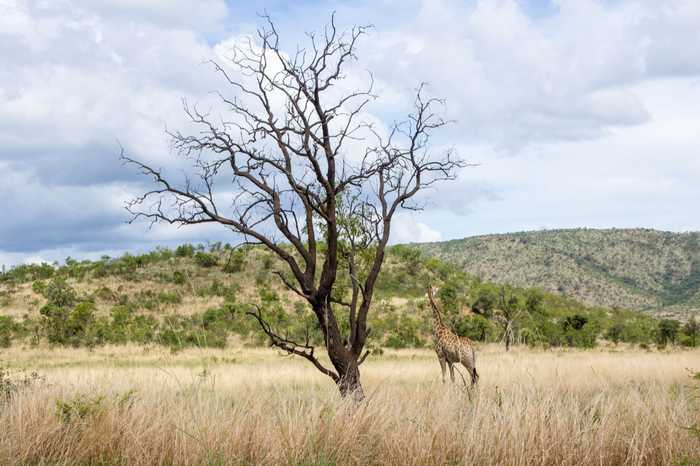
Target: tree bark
[
  {"x": 344, "y": 360},
  {"x": 349, "y": 382}
]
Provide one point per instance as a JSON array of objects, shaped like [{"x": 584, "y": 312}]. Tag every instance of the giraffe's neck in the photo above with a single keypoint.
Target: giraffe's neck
[{"x": 437, "y": 321}]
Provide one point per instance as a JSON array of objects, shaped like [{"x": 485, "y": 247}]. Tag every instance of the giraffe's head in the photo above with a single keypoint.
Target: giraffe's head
[{"x": 432, "y": 291}]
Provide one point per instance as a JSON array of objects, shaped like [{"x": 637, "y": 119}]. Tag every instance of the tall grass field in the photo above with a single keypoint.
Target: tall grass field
[{"x": 146, "y": 405}]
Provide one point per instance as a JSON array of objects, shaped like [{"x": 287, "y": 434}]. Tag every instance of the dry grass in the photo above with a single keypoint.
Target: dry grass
[{"x": 253, "y": 407}]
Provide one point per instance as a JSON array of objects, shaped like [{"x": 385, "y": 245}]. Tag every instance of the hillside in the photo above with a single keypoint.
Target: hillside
[
  {"x": 199, "y": 296},
  {"x": 630, "y": 268}
]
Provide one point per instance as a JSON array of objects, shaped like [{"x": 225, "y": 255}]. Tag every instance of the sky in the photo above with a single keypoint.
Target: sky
[{"x": 576, "y": 113}]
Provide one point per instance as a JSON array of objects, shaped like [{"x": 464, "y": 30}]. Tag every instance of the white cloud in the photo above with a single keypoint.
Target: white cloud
[
  {"x": 406, "y": 229},
  {"x": 582, "y": 117}
]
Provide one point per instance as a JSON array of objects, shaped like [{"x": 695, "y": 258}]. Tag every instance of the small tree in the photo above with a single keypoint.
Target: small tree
[
  {"x": 692, "y": 329},
  {"x": 667, "y": 331},
  {"x": 299, "y": 189},
  {"x": 615, "y": 332}
]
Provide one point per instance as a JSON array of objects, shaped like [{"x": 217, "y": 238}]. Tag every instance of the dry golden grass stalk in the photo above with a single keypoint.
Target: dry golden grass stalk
[{"x": 130, "y": 406}]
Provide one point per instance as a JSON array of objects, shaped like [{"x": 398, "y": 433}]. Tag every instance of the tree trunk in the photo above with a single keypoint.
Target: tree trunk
[
  {"x": 350, "y": 385},
  {"x": 345, "y": 364}
]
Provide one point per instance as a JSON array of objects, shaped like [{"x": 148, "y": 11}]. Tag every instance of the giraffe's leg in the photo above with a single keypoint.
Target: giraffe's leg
[
  {"x": 442, "y": 366},
  {"x": 469, "y": 364},
  {"x": 452, "y": 372},
  {"x": 472, "y": 372}
]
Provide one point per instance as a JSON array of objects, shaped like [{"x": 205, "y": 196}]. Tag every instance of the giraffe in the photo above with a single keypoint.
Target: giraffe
[{"x": 451, "y": 348}]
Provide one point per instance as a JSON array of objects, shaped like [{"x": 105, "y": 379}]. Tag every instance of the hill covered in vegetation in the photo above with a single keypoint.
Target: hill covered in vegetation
[
  {"x": 627, "y": 268},
  {"x": 199, "y": 296}
]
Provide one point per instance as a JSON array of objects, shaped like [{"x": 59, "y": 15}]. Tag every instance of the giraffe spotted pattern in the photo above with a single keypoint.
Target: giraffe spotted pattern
[{"x": 451, "y": 348}]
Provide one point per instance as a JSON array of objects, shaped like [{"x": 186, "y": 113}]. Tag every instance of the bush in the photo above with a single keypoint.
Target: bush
[
  {"x": 169, "y": 298},
  {"x": 204, "y": 259},
  {"x": 127, "y": 326},
  {"x": 267, "y": 262},
  {"x": 59, "y": 293},
  {"x": 39, "y": 287},
  {"x": 25, "y": 272},
  {"x": 7, "y": 329},
  {"x": 179, "y": 277},
  {"x": 184, "y": 250},
  {"x": 236, "y": 262},
  {"x": 217, "y": 288},
  {"x": 105, "y": 294},
  {"x": 71, "y": 327},
  {"x": 80, "y": 407},
  {"x": 667, "y": 331},
  {"x": 477, "y": 328},
  {"x": 54, "y": 323},
  {"x": 179, "y": 332},
  {"x": 261, "y": 278}
]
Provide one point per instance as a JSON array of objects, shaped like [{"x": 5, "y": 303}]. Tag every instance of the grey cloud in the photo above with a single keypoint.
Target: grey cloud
[
  {"x": 91, "y": 164},
  {"x": 78, "y": 75}
]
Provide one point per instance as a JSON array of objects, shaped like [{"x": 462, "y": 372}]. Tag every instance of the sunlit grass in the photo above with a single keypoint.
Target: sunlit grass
[{"x": 140, "y": 405}]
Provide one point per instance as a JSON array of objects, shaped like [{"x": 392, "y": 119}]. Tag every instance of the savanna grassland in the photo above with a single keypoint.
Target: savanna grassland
[
  {"x": 152, "y": 359},
  {"x": 148, "y": 405}
]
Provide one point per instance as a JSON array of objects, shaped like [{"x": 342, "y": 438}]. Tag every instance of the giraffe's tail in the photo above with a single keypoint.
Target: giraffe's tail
[{"x": 474, "y": 374}]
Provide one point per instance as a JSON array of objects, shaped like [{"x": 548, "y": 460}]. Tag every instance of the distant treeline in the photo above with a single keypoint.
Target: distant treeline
[{"x": 483, "y": 311}]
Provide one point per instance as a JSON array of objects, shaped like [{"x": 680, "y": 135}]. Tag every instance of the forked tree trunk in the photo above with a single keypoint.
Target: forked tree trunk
[{"x": 347, "y": 367}]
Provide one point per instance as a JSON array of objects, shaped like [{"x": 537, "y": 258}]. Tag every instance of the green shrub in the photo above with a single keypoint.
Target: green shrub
[
  {"x": 5, "y": 298},
  {"x": 184, "y": 250},
  {"x": 7, "y": 330},
  {"x": 667, "y": 332},
  {"x": 691, "y": 330},
  {"x": 105, "y": 294},
  {"x": 179, "y": 277},
  {"x": 100, "y": 270},
  {"x": 166, "y": 297},
  {"x": 267, "y": 262},
  {"x": 236, "y": 262},
  {"x": 261, "y": 278},
  {"x": 477, "y": 328},
  {"x": 27, "y": 272},
  {"x": 71, "y": 327},
  {"x": 39, "y": 287},
  {"x": 127, "y": 326},
  {"x": 217, "y": 288},
  {"x": 179, "y": 332},
  {"x": 54, "y": 322},
  {"x": 59, "y": 293},
  {"x": 204, "y": 259},
  {"x": 78, "y": 324},
  {"x": 80, "y": 407},
  {"x": 146, "y": 299}
]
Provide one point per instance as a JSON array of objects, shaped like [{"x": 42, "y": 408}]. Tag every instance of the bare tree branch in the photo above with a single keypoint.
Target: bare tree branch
[
  {"x": 294, "y": 183},
  {"x": 300, "y": 349}
]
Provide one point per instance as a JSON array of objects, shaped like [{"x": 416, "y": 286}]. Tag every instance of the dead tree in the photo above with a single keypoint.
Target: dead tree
[{"x": 294, "y": 183}]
